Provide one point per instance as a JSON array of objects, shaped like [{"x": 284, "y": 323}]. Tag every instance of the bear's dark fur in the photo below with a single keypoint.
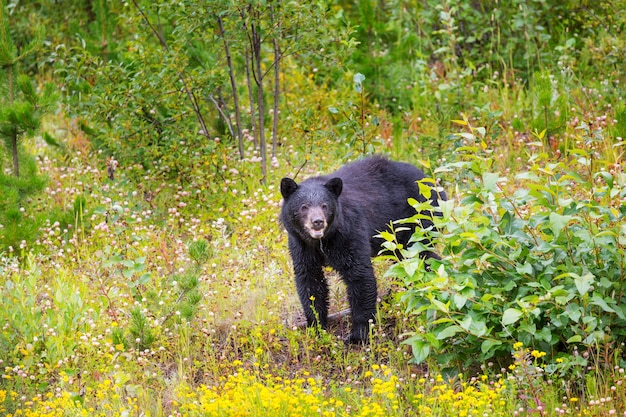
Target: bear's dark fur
[{"x": 331, "y": 220}]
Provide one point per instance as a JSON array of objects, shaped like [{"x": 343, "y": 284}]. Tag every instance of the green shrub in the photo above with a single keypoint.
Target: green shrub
[{"x": 542, "y": 265}]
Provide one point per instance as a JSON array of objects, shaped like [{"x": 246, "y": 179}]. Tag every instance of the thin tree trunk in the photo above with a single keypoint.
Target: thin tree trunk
[
  {"x": 233, "y": 85},
  {"x": 223, "y": 115},
  {"x": 251, "y": 98},
  {"x": 258, "y": 76},
  {"x": 276, "y": 84}
]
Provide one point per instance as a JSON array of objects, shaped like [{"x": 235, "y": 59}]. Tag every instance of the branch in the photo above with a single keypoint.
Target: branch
[{"x": 192, "y": 98}]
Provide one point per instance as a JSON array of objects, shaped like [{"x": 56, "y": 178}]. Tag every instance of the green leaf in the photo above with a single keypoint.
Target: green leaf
[
  {"x": 608, "y": 178},
  {"x": 558, "y": 222},
  {"x": 449, "y": 332},
  {"x": 510, "y": 316},
  {"x": 478, "y": 328},
  {"x": 144, "y": 279},
  {"x": 410, "y": 266},
  {"x": 583, "y": 283},
  {"x": 489, "y": 344},
  {"x": 596, "y": 300},
  {"x": 419, "y": 347},
  {"x": 490, "y": 180},
  {"x": 575, "y": 339},
  {"x": 358, "y": 82},
  {"x": 440, "y": 306},
  {"x": 527, "y": 269},
  {"x": 459, "y": 300}
]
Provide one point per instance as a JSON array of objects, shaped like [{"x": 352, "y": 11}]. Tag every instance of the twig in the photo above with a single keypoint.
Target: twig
[{"x": 181, "y": 77}]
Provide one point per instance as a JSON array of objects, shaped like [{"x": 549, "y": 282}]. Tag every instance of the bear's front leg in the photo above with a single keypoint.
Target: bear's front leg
[
  {"x": 313, "y": 292},
  {"x": 362, "y": 294},
  {"x": 349, "y": 255},
  {"x": 310, "y": 283}
]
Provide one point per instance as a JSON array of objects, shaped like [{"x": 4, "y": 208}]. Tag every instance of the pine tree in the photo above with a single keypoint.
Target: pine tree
[{"x": 21, "y": 111}]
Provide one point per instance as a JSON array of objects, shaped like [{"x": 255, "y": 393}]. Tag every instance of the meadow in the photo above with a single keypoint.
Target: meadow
[{"x": 152, "y": 278}]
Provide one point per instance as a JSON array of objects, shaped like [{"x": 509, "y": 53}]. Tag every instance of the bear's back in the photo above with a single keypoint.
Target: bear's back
[{"x": 378, "y": 189}]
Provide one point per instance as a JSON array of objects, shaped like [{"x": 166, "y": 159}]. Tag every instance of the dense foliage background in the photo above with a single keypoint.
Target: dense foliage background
[{"x": 142, "y": 267}]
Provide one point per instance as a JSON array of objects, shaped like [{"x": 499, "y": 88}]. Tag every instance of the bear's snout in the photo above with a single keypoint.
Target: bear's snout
[{"x": 316, "y": 223}]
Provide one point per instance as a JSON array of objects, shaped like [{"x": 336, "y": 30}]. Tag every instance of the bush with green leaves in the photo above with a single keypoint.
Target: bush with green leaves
[{"x": 540, "y": 261}]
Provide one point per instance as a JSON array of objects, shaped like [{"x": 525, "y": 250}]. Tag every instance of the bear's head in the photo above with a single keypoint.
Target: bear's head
[{"x": 310, "y": 208}]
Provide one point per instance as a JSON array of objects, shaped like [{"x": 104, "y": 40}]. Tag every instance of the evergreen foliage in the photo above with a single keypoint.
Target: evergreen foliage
[{"x": 21, "y": 112}]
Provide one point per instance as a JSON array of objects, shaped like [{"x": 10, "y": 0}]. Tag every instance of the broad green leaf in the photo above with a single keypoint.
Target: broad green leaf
[
  {"x": 573, "y": 312},
  {"x": 488, "y": 344},
  {"x": 478, "y": 328},
  {"x": 583, "y": 283},
  {"x": 440, "y": 306},
  {"x": 510, "y": 316},
  {"x": 419, "y": 347},
  {"x": 527, "y": 269},
  {"x": 598, "y": 301},
  {"x": 490, "y": 180},
  {"x": 544, "y": 334},
  {"x": 144, "y": 279},
  {"x": 466, "y": 323},
  {"x": 557, "y": 222},
  {"x": 459, "y": 300},
  {"x": 449, "y": 332},
  {"x": 608, "y": 178},
  {"x": 575, "y": 339},
  {"x": 410, "y": 266}
]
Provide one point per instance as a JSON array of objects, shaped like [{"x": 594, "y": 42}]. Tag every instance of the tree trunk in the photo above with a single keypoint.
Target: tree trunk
[
  {"x": 276, "y": 84},
  {"x": 258, "y": 76},
  {"x": 251, "y": 98},
  {"x": 233, "y": 85}
]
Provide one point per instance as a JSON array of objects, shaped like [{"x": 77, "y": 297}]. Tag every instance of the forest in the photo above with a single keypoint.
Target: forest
[{"x": 143, "y": 267}]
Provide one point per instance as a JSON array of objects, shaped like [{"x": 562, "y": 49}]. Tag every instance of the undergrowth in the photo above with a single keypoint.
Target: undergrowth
[{"x": 166, "y": 288}]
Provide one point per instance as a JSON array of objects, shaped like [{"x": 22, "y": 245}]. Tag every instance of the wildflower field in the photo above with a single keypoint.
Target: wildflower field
[{"x": 143, "y": 269}]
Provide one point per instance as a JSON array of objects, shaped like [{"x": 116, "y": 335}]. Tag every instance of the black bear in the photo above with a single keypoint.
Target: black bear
[{"x": 332, "y": 219}]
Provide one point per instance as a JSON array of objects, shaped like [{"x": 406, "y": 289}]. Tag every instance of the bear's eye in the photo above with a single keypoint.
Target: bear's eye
[
  {"x": 325, "y": 207},
  {"x": 304, "y": 208}
]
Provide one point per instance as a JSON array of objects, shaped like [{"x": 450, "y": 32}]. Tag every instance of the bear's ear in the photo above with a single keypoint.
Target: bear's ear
[
  {"x": 287, "y": 187},
  {"x": 335, "y": 185}
]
